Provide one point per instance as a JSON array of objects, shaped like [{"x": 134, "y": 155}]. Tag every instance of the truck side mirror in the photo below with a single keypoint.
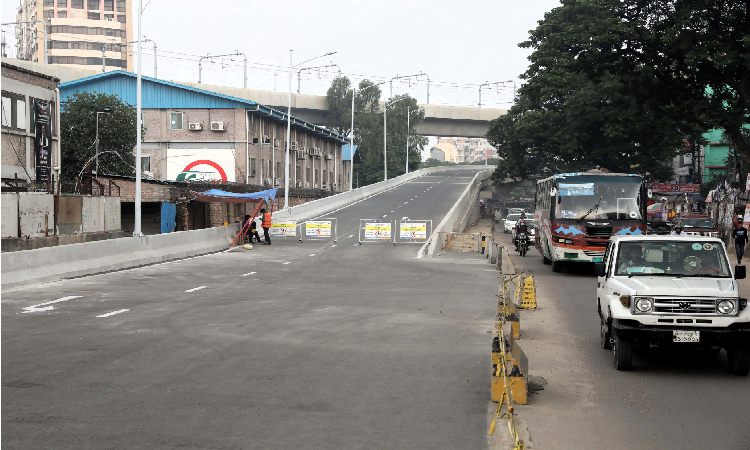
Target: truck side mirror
[
  {"x": 739, "y": 272},
  {"x": 600, "y": 269}
]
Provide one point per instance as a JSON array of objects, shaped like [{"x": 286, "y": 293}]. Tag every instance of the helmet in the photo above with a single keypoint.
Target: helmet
[{"x": 522, "y": 222}]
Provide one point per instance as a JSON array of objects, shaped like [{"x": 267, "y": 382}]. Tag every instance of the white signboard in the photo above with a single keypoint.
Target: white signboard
[
  {"x": 285, "y": 228},
  {"x": 377, "y": 230},
  {"x": 413, "y": 230},
  {"x": 318, "y": 228},
  {"x": 200, "y": 164}
]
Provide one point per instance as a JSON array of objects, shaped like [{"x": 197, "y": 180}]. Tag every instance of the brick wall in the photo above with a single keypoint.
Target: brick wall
[{"x": 28, "y": 77}]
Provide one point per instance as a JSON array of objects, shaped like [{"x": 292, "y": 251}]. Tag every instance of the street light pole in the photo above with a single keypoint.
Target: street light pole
[
  {"x": 289, "y": 122},
  {"x": 106, "y": 110},
  {"x": 137, "y": 225},
  {"x": 299, "y": 73}
]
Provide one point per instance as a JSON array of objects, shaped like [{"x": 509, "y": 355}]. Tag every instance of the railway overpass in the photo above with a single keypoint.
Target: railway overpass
[{"x": 440, "y": 120}]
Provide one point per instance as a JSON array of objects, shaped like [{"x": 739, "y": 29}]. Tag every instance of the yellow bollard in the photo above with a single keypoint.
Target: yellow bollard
[{"x": 529, "y": 294}]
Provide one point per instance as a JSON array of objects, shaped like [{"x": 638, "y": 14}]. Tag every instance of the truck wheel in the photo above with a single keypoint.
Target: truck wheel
[
  {"x": 622, "y": 352},
  {"x": 605, "y": 335},
  {"x": 739, "y": 360},
  {"x": 557, "y": 266}
]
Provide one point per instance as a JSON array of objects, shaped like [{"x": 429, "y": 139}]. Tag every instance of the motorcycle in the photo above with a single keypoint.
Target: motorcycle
[{"x": 522, "y": 244}]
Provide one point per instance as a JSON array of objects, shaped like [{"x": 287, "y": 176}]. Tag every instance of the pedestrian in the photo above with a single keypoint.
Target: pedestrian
[
  {"x": 245, "y": 228},
  {"x": 740, "y": 240},
  {"x": 254, "y": 230},
  {"x": 266, "y": 223},
  {"x": 678, "y": 231}
]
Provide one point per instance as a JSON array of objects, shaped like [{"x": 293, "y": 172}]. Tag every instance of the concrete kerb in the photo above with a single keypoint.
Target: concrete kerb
[{"x": 90, "y": 258}]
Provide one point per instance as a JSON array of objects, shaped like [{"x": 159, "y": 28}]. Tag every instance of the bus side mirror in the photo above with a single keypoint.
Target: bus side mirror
[
  {"x": 739, "y": 272},
  {"x": 600, "y": 269}
]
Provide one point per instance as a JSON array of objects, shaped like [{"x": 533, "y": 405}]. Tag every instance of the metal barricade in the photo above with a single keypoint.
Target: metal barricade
[
  {"x": 376, "y": 230},
  {"x": 413, "y": 231},
  {"x": 319, "y": 230}
]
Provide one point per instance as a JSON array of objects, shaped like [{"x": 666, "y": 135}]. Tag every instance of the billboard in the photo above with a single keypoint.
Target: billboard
[
  {"x": 201, "y": 164},
  {"x": 42, "y": 141},
  {"x": 670, "y": 188}
]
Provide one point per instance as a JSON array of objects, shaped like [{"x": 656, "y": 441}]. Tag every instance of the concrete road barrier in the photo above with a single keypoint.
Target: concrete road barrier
[{"x": 75, "y": 260}]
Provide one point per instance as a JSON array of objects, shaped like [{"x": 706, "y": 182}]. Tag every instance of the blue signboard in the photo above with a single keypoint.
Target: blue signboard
[{"x": 168, "y": 213}]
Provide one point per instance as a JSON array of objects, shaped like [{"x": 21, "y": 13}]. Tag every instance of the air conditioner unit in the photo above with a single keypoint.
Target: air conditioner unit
[
  {"x": 307, "y": 185},
  {"x": 329, "y": 156},
  {"x": 277, "y": 181},
  {"x": 293, "y": 145},
  {"x": 324, "y": 185},
  {"x": 309, "y": 151},
  {"x": 299, "y": 184},
  {"x": 276, "y": 143},
  {"x": 333, "y": 186},
  {"x": 266, "y": 139},
  {"x": 317, "y": 150},
  {"x": 217, "y": 126},
  {"x": 301, "y": 154},
  {"x": 195, "y": 126}
]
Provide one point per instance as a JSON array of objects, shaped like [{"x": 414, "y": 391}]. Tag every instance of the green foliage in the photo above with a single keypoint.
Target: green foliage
[
  {"x": 432, "y": 162},
  {"x": 117, "y": 134},
  {"x": 593, "y": 99},
  {"x": 368, "y": 128}
]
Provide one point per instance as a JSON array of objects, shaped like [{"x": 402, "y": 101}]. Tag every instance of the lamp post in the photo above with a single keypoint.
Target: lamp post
[
  {"x": 408, "y": 116},
  {"x": 105, "y": 110},
  {"x": 289, "y": 122},
  {"x": 385, "y": 135},
  {"x": 351, "y": 136},
  {"x": 138, "y": 102}
]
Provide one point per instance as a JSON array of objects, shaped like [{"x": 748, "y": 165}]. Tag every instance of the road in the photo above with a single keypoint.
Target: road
[
  {"x": 310, "y": 345},
  {"x": 674, "y": 400}
]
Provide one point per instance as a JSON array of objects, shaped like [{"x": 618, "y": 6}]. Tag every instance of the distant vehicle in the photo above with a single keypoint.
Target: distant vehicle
[
  {"x": 698, "y": 224},
  {"x": 578, "y": 212},
  {"x": 671, "y": 291},
  {"x": 510, "y": 222},
  {"x": 658, "y": 227}
]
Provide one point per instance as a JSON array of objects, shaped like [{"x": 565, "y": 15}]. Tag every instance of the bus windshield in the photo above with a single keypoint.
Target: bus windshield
[
  {"x": 697, "y": 222},
  {"x": 599, "y": 197}
]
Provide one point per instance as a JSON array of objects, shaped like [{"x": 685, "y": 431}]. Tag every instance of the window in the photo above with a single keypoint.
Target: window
[
  {"x": 176, "y": 121},
  {"x": 145, "y": 163},
  {"x": 278, "y": 173},
  {"x": 76, "y": 4},
  {"x": 21, "y": 114},
  {"x": 120, "y": 6},
  {"x": 62, "y": 14},
  {"x": 252, "y": 167},
  {"x": 7, "y": 113},
  {"x": 62, "y": 3},
  {"x": 109, "y": 5},
  {"x": 94, "y": 16},
  {"x": 93, "y": 5},
  {"x": 49, "y": 13},
  {"x": 121, "y": 18},
  {"x": 49, "y": 3}
]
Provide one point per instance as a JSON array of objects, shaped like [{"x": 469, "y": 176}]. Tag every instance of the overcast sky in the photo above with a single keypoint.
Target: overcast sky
[{"x": 460, "y": 45}]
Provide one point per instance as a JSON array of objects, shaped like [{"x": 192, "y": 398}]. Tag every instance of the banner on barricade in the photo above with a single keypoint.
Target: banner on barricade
[
  {"x": 285, "y": 228},
  {"x": 377, "y": 230},
  {"x": 413, "y": 230},
  {"x": 318, "y": 228}
]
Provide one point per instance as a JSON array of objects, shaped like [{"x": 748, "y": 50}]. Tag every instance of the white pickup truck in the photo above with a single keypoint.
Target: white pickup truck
[{"x": 671, "y": 290}]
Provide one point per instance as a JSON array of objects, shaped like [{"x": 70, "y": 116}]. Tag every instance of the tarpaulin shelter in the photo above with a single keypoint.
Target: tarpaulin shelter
[{"x": 216, "y": 195}]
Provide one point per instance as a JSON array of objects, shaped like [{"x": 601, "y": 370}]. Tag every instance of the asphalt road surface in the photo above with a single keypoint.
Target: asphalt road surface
[
  {"x": 669, "y": 400},
  {"x": 310, "y": 345}
]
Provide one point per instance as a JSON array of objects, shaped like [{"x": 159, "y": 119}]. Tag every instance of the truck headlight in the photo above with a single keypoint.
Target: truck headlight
[
  {"x": 644, "y": 304},
  {"x": 725, "y": 307}
]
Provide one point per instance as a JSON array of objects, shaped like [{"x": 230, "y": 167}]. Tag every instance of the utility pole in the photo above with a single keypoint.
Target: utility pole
[
  {"x": 209, "y": 56},
  {"x": 299, "y": 73}
]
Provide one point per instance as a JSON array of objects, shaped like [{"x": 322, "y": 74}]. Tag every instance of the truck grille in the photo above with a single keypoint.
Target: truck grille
[
  {"x": 599, "y": 231},
  {"x": 685, "y": 305},
  {"x": 593, "y": 253}
]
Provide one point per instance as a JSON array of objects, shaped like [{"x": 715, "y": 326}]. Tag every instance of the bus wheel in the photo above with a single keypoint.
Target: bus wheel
[
  {"x": 546, "y": 260},
  {"x": 557, "y": 266}
]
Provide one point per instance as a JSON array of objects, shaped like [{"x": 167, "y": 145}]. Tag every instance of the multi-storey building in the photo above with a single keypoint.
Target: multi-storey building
[
  {"x": 471, "y": 149},
  {"x": 79, "y": 32}
]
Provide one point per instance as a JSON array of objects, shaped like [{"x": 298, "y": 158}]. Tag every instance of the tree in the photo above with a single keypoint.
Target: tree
[
  {"x": 368, "y": 128},
  {"x": 117, "y": 134},
  {"x": 570, "y": 115}
]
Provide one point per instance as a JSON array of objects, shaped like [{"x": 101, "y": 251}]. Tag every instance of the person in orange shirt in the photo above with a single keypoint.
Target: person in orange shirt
[{"x": 266, "y": 217}]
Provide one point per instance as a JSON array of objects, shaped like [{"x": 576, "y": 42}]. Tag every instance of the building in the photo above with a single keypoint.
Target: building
[
  {"x": 22, "y": 159},
  {"x": 450, "y": 154},
  {"x": 471, "y": 149},
  {"x": 436, "y": 153},
  {"x": 197, "y": 135},
  {"x": 347, "y": 158},
  {"x": 79, "y": 32}
]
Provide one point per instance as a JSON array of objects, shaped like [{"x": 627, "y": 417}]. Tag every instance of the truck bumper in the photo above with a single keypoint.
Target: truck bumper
[{"x": 736, "y": 335}]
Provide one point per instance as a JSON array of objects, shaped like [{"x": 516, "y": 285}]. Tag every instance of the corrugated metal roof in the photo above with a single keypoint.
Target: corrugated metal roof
[
  {"x": 346, "y": 152},
  {"x": 160, "y": 94}
]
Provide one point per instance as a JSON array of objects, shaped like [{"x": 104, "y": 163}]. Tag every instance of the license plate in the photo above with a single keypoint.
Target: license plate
[
  {"x": 598, "y": 258},
  {"x": 686, "y": 336}
]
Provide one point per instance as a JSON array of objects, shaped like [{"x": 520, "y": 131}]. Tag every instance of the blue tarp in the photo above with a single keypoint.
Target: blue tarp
[{"x": 216, "y": 195}]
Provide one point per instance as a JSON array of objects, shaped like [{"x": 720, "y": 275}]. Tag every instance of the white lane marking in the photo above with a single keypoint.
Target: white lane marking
[
  {"x": 385, "y": 215},
  {"x": 312, "y": 254},
  {"x": 288, "y": 262},
  {"x": 405, "y": 203},
  {"x": 404, "y": 218},
  {"x": 391, "y": 211},
  {"x": 36, "y": 308},
  {"x": 249, "y": 273},
  {"x": 351, "y": 235},
  {"x": 333, "y": 245},
  {"x": 196, "y": 289},
  {"x": 113, "y": 313},
  {"x": 399, "y": 206}
]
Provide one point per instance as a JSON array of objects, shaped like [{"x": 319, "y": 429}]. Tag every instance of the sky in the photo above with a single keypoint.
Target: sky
[{"x": 458, "y": 45}]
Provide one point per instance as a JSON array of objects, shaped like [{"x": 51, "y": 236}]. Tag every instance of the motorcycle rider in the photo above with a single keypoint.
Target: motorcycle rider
[{"x": 521, "y": 228}]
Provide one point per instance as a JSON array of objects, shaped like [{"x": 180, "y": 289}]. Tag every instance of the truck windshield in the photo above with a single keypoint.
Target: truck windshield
[
  {"x": 602, "y": 197},
  {"x": 697, "y": 222},
  {"x": 673, "y": 258}
]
